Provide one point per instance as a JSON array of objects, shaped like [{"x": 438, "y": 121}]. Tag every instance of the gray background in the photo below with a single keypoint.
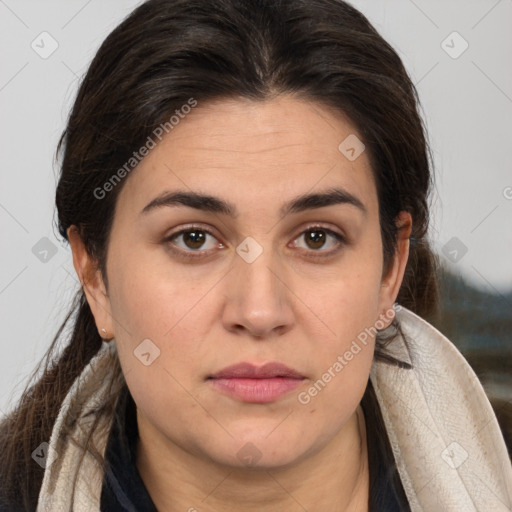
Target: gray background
[{"x": 467, "y": 105}]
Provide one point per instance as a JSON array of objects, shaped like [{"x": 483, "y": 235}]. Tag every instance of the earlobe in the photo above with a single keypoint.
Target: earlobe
[
  {"x": 92, "y": 283},
  {"x": 391, "y": 283}
]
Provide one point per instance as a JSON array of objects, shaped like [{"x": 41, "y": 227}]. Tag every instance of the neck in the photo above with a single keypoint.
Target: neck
[{"x": 334, "y": 479}]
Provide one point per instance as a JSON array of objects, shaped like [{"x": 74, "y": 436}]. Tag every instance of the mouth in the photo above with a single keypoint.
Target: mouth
[{"x": 249, "y": 383}]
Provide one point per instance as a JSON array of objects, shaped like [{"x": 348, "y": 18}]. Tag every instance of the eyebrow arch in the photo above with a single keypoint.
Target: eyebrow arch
[{"x": 214, "y": 204}]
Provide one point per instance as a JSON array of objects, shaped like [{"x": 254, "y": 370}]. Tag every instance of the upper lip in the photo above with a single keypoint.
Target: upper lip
[{"x": 251, "y": 371}]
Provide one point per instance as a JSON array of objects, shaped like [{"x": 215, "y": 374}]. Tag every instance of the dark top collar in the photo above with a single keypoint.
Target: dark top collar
[{"x": 123, "y": 489}]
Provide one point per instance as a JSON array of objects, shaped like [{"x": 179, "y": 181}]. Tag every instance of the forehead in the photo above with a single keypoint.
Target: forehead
[{"x": 260, "y": 150}]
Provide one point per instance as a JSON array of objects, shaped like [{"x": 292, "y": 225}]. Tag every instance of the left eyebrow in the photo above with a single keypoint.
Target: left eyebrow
[{"x": 214, "y": 204}]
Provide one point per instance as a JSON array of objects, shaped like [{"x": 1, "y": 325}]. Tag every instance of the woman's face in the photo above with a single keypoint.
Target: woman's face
[{"x": 264, "y": 282}]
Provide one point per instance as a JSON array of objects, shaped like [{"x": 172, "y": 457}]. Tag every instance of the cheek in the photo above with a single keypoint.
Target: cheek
[
  {"x": 156, "y": 312},
  {"x": 159, "y": 343},
  {"x": 345, "y": 354},
  {"x": 342, "y": 358},
  {"x": 349, "y": 308},
  {"x": 350, "y": 301},
  {"x": 151, "y": 298}
]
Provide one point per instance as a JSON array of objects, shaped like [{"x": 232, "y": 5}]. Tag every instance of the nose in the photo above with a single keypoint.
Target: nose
[{"x": 258, "y": 299}]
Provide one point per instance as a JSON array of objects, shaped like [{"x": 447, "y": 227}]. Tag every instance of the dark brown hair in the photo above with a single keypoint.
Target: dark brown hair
[{"x": 168, "y": 51}]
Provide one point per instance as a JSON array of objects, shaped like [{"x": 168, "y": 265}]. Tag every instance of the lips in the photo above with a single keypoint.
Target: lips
[
  {"x": 250, "y": 371},
  {"x": 246, "y": 382}
]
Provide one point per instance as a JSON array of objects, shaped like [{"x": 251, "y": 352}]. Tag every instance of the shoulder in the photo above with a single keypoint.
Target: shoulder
[{"x": 438, "y": 413}]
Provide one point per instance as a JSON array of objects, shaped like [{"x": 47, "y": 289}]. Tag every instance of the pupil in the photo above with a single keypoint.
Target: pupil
[
  {"x": 317, "y": 237},
  {"x": 196, "y": 238}
]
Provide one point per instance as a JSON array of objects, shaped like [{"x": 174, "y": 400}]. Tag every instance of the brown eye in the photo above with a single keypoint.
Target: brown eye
[
  {"x": 317, "y": 237},
  {"x": 192, "y": 242},
  {"x": 194, "y": 239}
]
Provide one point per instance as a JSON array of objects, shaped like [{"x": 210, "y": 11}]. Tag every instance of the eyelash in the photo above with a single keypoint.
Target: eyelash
[{"x": 200, "y": 253}]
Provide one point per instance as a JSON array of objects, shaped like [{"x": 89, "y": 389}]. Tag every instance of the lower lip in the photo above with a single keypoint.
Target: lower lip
[{"x": 256, "y": 390}]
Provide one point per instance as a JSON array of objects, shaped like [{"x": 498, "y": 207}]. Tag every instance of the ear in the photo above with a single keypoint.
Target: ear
[
  {"x": 92, "y": 283},
  {"x": 391, "y": 282}
]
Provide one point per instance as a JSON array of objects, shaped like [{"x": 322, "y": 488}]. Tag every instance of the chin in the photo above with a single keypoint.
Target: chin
[{"x": 258, "y": 453}]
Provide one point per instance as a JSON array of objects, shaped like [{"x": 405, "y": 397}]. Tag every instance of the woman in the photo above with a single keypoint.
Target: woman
[{"x": 244, "y": 187}]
